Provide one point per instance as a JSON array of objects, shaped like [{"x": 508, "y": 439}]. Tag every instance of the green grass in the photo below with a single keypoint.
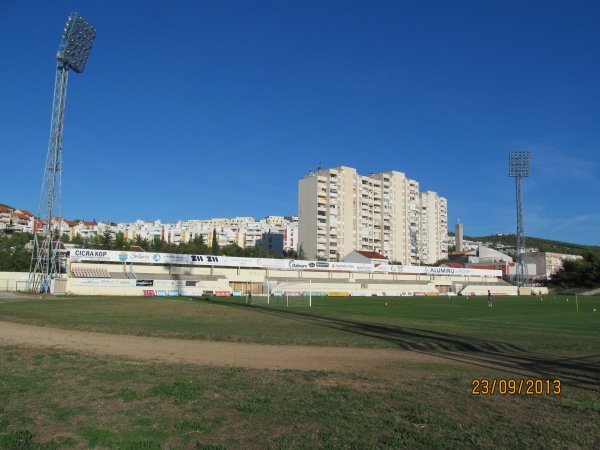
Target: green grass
[
  {"x": 52, "y": 399},
  {"x": 455, "y": 323}
]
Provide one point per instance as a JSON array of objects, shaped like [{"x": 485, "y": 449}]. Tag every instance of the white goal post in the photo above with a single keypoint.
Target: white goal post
[{"x": 279, "y": 301}]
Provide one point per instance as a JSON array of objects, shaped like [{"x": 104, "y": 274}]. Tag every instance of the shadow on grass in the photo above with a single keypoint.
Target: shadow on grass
[{"x": 581, "y": 372}]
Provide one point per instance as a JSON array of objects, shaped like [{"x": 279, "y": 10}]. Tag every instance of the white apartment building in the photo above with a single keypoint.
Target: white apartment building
[
  {"x": 243, "y": 231},
  {"x": 546, "y": 263},
  {"x": 434, "y": 227},
  {"x": 340, "y": 211}
]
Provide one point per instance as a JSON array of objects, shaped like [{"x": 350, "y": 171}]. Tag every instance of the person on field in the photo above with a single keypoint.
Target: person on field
[{"x": 489, "y": 299}]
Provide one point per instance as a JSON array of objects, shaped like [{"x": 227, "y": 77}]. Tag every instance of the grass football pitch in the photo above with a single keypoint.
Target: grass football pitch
[{"x": 524, "y": 373}]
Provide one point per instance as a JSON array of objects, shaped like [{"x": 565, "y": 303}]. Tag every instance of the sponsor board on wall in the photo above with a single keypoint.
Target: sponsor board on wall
[
  {"x": 103, "y": 282},
  {"x": 190, "y": 292},
  {"x": 397, "y": 294},
  {"x": 178, "y": 283},
  {"x": 350, "y": 267},
  {"x": 90, "y": 255},
  {"x": 79, "y": 255},
  {"x": 426, "y": 270}
]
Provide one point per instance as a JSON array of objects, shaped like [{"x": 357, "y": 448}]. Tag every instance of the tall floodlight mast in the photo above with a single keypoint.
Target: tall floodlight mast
[
  {"x": 73, "y": 52},
  {"x": 519, "y": 168}
]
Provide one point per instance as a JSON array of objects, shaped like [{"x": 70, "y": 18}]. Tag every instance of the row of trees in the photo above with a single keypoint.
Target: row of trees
[
  {"x": 543, "y": 245},
  {"x": 15, "y": 253},
  {"x": 197, "y": 246},
  {"x": 578, "y": 273}
]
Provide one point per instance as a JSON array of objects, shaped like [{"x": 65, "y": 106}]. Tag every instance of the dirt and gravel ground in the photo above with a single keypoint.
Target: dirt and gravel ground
[
  {"x": 208, "y": 352},
  {"x": 258, "y": 356}
]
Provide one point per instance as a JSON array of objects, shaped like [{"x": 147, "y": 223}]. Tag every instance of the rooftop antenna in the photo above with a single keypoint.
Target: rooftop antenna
[
  {"x": 518, "y": 168},
  {"x": 73, "y": 52}
]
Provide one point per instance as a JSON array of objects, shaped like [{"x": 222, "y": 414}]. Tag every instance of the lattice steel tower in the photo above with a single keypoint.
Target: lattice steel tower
[
  {"x": 519, "y": 167},
  {"x": 73, "y": 52}
]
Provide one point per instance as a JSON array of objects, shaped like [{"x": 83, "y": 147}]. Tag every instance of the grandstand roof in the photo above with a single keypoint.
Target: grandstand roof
[
  {"x": 361, "y": 256},
  {"x": 370, "y": 255},
  {"x": 453, "y": 264},
  {"x": 483, "y": 267}
]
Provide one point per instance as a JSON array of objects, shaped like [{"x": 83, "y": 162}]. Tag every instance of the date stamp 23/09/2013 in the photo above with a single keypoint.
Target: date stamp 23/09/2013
[{"x": 511, "y": 386}]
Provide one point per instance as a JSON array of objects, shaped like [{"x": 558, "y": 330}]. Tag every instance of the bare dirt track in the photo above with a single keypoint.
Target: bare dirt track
[{"x": 258, "y": 356}]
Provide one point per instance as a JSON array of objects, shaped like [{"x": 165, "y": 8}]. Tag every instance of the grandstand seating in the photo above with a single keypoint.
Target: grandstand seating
[
  {"x": 295, "y": 283},
  {"x": 90, "y": 272}
]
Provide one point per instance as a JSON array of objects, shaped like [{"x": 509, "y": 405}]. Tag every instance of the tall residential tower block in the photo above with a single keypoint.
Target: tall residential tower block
[{"x": 340, "y": 211}]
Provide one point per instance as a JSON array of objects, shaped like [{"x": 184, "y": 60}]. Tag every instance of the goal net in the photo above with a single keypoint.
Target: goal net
[{"x": 280, "y": 301}]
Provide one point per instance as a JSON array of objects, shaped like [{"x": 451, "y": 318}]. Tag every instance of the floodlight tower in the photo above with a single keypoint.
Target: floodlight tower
[
  {"x": 519, "y": 168},
  {"x": 73, "y": 52}
]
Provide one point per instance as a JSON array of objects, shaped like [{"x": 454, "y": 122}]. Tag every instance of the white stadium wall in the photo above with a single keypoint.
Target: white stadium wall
[{"x": 100, "y": 272}]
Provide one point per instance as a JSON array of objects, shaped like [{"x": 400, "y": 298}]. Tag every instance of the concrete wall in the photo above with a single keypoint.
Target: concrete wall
[{"x": 13, "y": 281}]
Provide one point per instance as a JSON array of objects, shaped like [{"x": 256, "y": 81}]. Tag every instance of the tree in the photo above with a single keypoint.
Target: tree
[
  {"x": 77, "y": 240},
  {"x": 301, "y": 254},
  {"x": 258, "y": 251},
  {"x": 120, "y": 241},
  {"x": 439, "y": 262},
  {"x": 197, "y": 245},
  {"x": 156, "y": 245},
  {"x": 106, "y": 239},
  {"x": 215, "y": 243},
  {"x": 578, "y": 273},
  {"x": 141, "y": 242},
  {"x": 14, "y": 255},
  {"x": 232, "y": 250}
]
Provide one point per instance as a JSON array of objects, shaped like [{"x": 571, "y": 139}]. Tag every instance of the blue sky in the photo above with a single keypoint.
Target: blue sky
[{"x": 202, "y": 109}]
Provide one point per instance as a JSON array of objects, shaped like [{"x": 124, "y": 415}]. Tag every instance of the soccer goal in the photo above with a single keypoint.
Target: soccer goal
[{"x": 279, "y": 301}]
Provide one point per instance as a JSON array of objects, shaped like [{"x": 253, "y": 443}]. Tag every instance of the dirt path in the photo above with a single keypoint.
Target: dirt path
[{"x": 211, "y": 353}]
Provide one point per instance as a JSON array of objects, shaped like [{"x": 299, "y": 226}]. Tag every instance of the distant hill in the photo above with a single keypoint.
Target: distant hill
[{"x": 543, "y": 245}]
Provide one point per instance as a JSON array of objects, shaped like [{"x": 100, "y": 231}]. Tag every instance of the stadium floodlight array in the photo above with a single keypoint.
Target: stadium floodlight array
[
  {"x": 73, "y": 53},
  {"x": 519, "y": 163},
  {"x": 76, "y": 43}
]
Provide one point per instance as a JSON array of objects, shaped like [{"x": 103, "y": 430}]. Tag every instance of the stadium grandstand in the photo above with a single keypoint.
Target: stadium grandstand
[{"x": 93, "y": 272}]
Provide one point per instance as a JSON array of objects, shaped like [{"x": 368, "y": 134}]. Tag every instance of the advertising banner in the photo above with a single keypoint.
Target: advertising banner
[
  {"x": 190, "y": 293},
  {"x": 188, "y": 283},
  {"x": 116, "y": 256},
  {"x": 103, "y": 282},
  {"x": 427, "y": 270}
]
